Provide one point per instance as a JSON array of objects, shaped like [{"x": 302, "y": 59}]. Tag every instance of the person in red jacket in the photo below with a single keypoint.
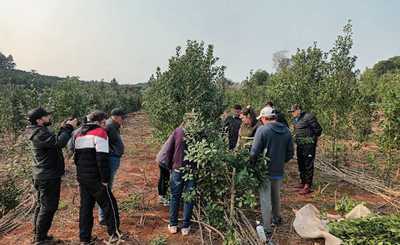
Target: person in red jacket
[{"x": 93, "y": 173}]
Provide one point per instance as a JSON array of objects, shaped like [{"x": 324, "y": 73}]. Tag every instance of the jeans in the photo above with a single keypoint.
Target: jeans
[
  {"x": 48, "y": 197},
  {"x": 114, "y": 165},
  {"x": 90, "y": 193},
  {"x": 178, "y": 186},
  {"x": 163, "y": 181},
  {"x": 270, "y": 201}
]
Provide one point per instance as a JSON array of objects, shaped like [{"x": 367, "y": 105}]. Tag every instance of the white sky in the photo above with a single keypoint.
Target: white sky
[{"x": 128, "y": 39}]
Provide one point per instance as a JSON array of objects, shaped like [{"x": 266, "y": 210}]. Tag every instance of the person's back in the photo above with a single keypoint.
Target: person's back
[
  {"x": 46, "y": 147},
  {"x": 115, "y": 139},
  {"x": 275, "y": 140},
  {"x": 91, "y": 148},
  {"x": 93, "y": 173}
]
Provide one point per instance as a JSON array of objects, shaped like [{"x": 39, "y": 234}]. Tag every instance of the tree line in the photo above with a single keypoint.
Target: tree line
[{"x": 21, "y": 91}]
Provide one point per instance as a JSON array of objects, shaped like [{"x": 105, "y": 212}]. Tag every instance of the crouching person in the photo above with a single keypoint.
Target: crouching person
[
  {"x": 275, "y": 141},
  {"x": 178, "y": 183},
  {"x": 93, "y": 173}
]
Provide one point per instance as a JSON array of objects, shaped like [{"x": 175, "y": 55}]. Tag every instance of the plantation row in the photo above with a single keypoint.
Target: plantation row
[{"x": 21, "y": 91}]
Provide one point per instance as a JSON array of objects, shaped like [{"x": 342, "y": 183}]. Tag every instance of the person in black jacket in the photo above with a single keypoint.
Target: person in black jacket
[
  {"x": 307, "y": 130},
  {"x": 48, "y": 167},
  {"x": 113, "y": 125},
  {"x": 93, "y": 174},
  {"x": 232, "y": 125}
]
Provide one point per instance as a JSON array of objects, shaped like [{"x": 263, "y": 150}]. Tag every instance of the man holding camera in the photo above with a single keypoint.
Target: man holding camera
[{"x": 48, "y": 168}]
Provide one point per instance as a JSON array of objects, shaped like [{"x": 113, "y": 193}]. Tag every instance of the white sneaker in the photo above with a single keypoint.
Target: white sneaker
[
  {"x": 173, "y": 229},
  {"x": 185, "y": 231},
  {"x": 164, "y": 201}
]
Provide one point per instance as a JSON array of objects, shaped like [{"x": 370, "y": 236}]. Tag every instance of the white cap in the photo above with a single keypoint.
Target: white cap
[{"x": 267, "y": 112}]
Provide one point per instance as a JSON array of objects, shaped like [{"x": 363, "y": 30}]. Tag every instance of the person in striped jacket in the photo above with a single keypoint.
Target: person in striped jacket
[{"x": 91, "y": 157}]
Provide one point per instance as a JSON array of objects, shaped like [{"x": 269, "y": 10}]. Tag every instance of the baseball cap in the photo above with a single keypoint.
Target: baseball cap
[
  {"x": 118, "y": 112},
  {"x": 267, "y": 112},
  {"x": 36, "y": 114}
]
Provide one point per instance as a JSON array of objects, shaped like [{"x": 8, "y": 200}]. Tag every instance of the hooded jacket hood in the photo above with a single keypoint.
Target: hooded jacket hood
[
  {"x": 278, "y": 127},
  {"x": 87, "y": 127}
]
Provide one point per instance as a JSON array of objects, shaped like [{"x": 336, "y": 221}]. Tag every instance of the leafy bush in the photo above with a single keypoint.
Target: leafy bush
[
  {"x": 132, "y": 203},
  {"x": 346, "y": 204},
  {"x": 190, "y": 83},
  {"x": 222, "y": 176},
  {"x": 372, "y": 230},
  {"x": 9, "y": 195},
  {"x": 389, "y": 103},
  {"x": 159, "y": 240}
]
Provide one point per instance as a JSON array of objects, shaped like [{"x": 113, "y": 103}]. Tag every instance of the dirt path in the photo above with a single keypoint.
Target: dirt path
[{"x": 138, "y": 176}]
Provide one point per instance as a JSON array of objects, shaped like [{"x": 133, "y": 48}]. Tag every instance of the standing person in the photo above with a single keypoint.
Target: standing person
[
  {"x": 164, "y": 160},
  {"x": 307, "y": 130},
  {"x": 48, "y": 168},
  {"x": 232, "y": 126},
  {"x": 178, "y": 183},
  {"x": 280, "y": 116},
  {"x": 113, "y": 125},
  {"x": 94, "y": 175},
  {"x": 275, "y": 141},
  {"x": 248, "y": 127}
]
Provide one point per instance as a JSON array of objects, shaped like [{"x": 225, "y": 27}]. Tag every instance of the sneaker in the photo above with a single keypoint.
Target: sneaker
[
  {"x": 276, "y": 221},
  {"x": 164, "y": 201},
  {"x": 173, "y": 229},
  {"x": 185, "y": 231}
]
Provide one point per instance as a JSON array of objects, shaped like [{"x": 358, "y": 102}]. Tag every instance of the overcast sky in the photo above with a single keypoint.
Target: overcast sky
[{"x": 128, "y": 39}]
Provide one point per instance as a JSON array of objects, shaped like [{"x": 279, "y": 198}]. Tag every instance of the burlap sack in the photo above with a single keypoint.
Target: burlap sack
[
  {"x": 359, "y": 211},
  {"x": 309, "y": 225}
]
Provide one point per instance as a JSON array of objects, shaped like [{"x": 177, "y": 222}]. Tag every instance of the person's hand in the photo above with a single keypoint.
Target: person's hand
[{"x": 72, "y": 122}]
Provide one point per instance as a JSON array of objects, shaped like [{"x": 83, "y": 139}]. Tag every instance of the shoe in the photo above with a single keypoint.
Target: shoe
[
  {"x": 173, "y": 229},
  {"x": 185, "y": 231},
  {"x": 276, "y": 221},
  {"x": 114, "y": 239},
  {"x": 164, "y": 201},
  {"x": 46, "y": 240},
  {"x": 269, "y": 238},
  {"x": 299, "y": 186},
  {"x": 92, "y": 241},
  {"x": 306, "y": 190},
  {"x": 103, "y": 222}
]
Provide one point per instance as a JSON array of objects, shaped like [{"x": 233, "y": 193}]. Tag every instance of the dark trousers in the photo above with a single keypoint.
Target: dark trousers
[
  {"x": 48, "y": 197},
  {"x": 305, "y": 159},
  {"x": 163, "y": 181},
  {"x": 91, "y": 193}
]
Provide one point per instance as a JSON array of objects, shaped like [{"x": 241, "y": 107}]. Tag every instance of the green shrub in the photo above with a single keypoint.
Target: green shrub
[{"x": 368, "y": 231}]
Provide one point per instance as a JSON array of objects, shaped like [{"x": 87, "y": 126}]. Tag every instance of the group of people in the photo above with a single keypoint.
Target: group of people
[
  {"x": 97, "y": 148},
  {"x": 267, "y": 134}
]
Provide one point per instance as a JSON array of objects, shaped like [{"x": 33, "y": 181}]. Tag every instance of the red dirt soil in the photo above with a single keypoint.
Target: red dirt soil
[{"x": 139, "y": 174}]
